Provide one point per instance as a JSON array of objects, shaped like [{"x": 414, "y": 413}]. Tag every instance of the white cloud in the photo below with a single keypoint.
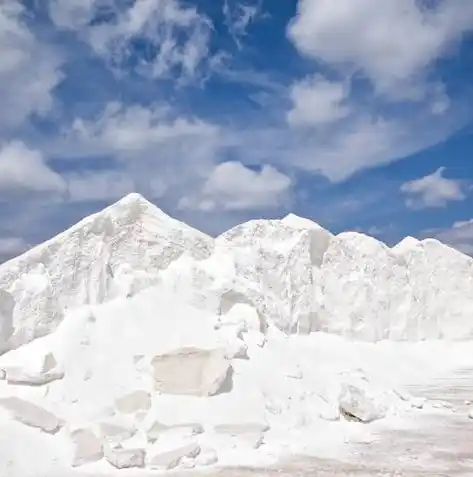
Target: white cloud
[
  {"x": 135, "y": 131},
  {"x": 338, "y": 151},
  {"x": 111, "y": 185},
  {"x": 11, "y": 247},
  {"x": 238, "y": 17},
  {"x": 433, "y": 190},
  {"x": 459, "y": 235},
  {"x": 234, "y": 187},
  {"x": 29, "y": 69},
  {"x": 317, "y": 101},
  {"x": 392, "y": 42},
  {"x": 175, "y": 37},
  {"x": 25, "y": 170},
  {"x": 156, "y": 151}
]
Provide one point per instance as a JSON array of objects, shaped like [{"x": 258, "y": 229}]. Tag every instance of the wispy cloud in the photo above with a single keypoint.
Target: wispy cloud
[
  {"x": 239, "y": 16},
  {"x": 156, "y": 38},
  {"x": 433, "y": 190}
]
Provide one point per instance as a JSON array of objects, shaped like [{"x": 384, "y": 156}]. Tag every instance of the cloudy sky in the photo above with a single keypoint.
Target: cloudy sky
[{"x": 355, "y": 113}]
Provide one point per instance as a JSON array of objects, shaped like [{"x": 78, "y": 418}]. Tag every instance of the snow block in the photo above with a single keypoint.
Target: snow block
[
  {"x": 192, "y": 371},
  {"x": 47, "y": 372},
  {"x": 158, "y": 430},
  {"x": 87, "y": 447},
  {"x": 171, "y": 457},
  {"x": 114, "y": 434},
  {"x": 31, "y": 415},
  {"x": 126, "y": 458},
  {"x": 357, "y": 405}
]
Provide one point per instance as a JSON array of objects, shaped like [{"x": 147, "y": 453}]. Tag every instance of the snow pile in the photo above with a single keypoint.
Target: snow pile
[
  {"x": 268, "y": 265},
  {"x": 295, "y": 275},
  {"x": 418, "y": 290},
  {"x": 78, "y": 266},
  {"x": 151, "y": 382},
  {"x": 134, "y": 341}
]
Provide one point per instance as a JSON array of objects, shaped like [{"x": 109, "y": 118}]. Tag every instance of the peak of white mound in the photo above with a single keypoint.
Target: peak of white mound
[
  {"x": 405, "y": 244},
  {"x": 79, "y": 265},
  {"x": 293, "y": 220}
]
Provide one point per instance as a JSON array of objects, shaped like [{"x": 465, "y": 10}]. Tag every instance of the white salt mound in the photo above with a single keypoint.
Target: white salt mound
[
  {"x": 78, "y": 266},
  {"x": 134, "y": 341}
]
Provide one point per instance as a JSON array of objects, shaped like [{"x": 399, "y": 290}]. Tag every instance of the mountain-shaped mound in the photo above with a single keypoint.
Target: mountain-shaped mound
[{"x": 77, "y": 267}]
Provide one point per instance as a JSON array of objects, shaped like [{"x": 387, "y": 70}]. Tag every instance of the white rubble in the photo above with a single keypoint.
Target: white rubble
[
  {"x": 86, "y": 447},
  {"x": 168, "y": 456},
  {"x": 159, "y": 431},
  {"x": 191, "y": 371},
  {"x": 113, "y": 433},
  {"x": 161, "y": 347},
  {"x": 43, "y": 371},
  {"x": 125, "y": 458},
  {"x": 356, "y": 403},
  {"x": 30, "y": 414}
]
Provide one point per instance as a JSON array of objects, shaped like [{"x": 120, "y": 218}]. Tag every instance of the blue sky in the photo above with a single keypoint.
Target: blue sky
[{"x": 355, "y": 113}]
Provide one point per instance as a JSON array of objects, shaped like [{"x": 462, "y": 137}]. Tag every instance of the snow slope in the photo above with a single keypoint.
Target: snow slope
[
  {"x": 77, "y": 267},
  {"x": 275, "y": 400}
]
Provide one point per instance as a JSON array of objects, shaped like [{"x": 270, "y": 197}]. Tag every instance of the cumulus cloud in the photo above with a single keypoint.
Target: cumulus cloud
[
  {"x": 433, "y": 190},
  {"x": 25, "y": 170},
  {"x": 174, "y": 38},
  {"x": 317, "y": 101},
  {"x": 340, "y": 128},
  {"x": 391, "y": 42},
  {"x": 234, "y": 187},
  {"x": 29, "y": 69}
]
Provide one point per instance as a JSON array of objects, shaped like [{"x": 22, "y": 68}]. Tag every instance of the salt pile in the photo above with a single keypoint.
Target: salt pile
[{"x": 135, "y": 341}]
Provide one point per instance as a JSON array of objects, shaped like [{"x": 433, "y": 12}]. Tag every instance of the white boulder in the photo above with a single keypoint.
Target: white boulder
[
  {"x": 87, "y": 447},
  {"x": 43, "y": 371},
  {"x": 191, "y": 371},
  {"x": 162, "y": 457},
  {"x": 125, "y": 458},
  {"x": 31, "y": 415},
  {"x": 355, "y": 403}
]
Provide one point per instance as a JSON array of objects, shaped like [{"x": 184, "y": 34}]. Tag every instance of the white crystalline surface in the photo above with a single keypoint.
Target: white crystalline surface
[
  {"x": 149, "y": 343},
  {"x": 78, "y": 266}
]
